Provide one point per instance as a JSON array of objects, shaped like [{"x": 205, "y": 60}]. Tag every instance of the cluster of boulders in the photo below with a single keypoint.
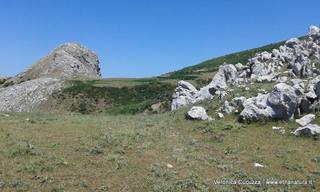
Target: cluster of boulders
[
  {"x": 28, "y": 90},
  {"x": 295, "y": 59},
  {"x": 295, "y": 69},
  {"x": 186, "y": 93}
]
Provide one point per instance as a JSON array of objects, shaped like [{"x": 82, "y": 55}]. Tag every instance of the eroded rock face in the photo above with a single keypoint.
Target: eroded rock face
[
  {"x": 69, "y": 61},
  {"x": 281, "y": 103},
  {"x": 30, "y": 89},
  {"x": 184, "y": 94},
  {"x": 29, "y": 95},
  {"x": 197, "y": 113},
  {"x": 283, "y": 100},
  {"x": 256, "y": 109},
  {"x": 227, "y": 73}
]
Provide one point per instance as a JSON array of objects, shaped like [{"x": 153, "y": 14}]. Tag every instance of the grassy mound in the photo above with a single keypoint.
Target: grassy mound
[{"x": 124, "y": 97}]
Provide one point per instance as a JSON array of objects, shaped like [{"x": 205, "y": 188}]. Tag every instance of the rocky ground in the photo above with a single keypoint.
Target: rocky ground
[{"x": 294, "y": 71}]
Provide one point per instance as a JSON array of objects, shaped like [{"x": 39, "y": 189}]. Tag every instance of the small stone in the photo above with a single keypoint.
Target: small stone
[
  {"x": 169, "y": 166},
  {"x": 220, "y": 115},
  {"x": 279, "y": 130},
  {"x": 258, "y": 165}
]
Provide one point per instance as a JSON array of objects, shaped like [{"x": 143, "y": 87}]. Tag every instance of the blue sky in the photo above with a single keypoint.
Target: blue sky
[{"x": 139, "y": 38}]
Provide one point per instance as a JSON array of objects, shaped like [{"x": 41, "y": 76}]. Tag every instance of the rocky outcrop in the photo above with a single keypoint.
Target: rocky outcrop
[
  {"x": 27, "y": 91},
  {"x": 283, "y": 100},
  {"x": 281, "y": 103},
  {"x": 293, "y": 65},
  {"x": 197, "y": 113},
  {"x": 256, "y": 109},
  {"x": 227, "y": 74},
  {"x": 69, "y": 61},
  {"x": 185, "y": 93},
  {"x": 29, "y": 95}
]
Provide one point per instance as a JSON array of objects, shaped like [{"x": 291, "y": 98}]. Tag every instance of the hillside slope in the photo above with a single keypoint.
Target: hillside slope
[{"x": 129, "y": 96}]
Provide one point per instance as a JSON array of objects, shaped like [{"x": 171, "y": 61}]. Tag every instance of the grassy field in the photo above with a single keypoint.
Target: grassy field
[{"x": 74, "y": 152}]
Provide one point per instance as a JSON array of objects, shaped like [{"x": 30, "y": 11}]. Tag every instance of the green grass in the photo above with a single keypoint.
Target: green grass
[
  {"x": 212, "y": 65},
  {"x": 96, "y": 96},
  {"x": 73, "y": 152},
  {"x": 209, "y": 66}
]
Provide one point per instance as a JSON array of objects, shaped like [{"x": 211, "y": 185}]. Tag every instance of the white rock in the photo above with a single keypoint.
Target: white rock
[
  {"x": 258, "y": 165},
  {"x": 220, "y": 115},
  {"x": 292, "y": 42},
  {"x": 256, "y": 109},
  {"x": 266, "y": 78},
  {"x": 69, "y": 61},
  {"x": 183, "y": 95},
  {"x": 314, "y": 30},
  {"x": 29, "y": 95},
  {"x": 308, "y": 130},
  {"x": 279, "y": 130},
  {"x": 239, "y": 66},
  {"x": 197, "y": 113},
  {"x": 305, "y": 120},
  {"x": 227, "y": 108},
  {"x": 169, "y": 166},
  {"x": 282, "y": 79},
  {"x": 281, "y": 103}
]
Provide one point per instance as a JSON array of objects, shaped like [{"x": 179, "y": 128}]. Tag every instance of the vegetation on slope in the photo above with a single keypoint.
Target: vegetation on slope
[
  {"x": 132, "y": 95},
  {"x": 212, "y": 65},
  {"x": 99, "y": 96}
]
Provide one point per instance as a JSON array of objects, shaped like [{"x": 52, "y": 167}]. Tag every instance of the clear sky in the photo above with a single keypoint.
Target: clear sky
[{"x": 138, "y": 38}]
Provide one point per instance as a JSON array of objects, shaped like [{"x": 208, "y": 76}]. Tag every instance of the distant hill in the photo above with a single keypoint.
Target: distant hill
[{"x": 209, "y": 66}]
